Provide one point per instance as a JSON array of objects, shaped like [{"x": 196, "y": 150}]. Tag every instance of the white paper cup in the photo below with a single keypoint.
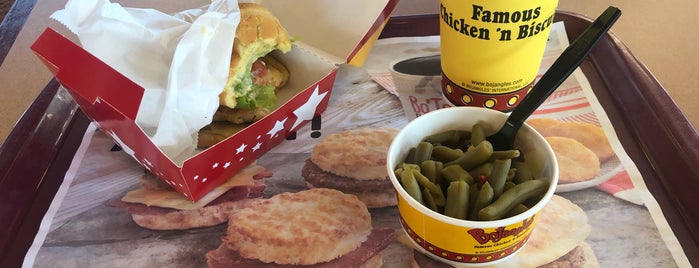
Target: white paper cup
[
  {"x": 464, "y": 242},
  {"x": 418, "y": 81}
]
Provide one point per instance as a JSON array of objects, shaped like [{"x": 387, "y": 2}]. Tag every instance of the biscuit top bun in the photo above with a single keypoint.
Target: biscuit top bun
[{"x": 258, "y": 34}]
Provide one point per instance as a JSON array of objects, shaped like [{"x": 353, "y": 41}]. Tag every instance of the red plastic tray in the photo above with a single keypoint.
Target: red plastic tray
[{"x": 654, "y": 132}]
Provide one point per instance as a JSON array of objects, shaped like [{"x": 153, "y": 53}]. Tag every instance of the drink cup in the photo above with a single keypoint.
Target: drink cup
[
  {"x": 418, "y": 82},
  {"x": 491, "y": 50}
]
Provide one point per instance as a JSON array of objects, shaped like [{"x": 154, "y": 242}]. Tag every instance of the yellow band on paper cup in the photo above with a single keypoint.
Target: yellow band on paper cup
[
  {"x": 491, "y": 50},
  {"x": 461, "y": 244}
]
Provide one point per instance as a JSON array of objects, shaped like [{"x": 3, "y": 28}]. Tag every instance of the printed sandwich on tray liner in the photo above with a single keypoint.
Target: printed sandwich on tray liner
[{"x": 112, "y": 101}]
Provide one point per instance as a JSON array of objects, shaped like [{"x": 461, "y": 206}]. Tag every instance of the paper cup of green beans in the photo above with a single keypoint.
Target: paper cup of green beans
[{"x": 460, "y": 201}]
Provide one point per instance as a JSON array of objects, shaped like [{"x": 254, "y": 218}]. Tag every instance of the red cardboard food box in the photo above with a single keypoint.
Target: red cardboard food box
[{"x": 330, "y": 32}]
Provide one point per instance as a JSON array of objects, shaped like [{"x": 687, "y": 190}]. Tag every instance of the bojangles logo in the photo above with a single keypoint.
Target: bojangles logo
[{"x": 483, "y": 237}]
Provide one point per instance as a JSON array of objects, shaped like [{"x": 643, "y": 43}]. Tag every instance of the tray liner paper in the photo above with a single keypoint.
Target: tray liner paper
[{"x": 84, "y": 231}]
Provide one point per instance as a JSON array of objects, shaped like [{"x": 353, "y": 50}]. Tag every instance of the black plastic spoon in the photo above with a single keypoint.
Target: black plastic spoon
[{"x": 559, "y": 71}]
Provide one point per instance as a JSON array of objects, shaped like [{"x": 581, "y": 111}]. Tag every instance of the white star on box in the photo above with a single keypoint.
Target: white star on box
[
  {"x": 308, "y": 109},
  {"x": 257, "y": 146},
  {"x": 278, "y": 126},
  {"x": 241, "y": 148}
]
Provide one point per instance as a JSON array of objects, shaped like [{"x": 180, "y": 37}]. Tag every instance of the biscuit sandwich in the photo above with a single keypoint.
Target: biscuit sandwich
[
  {"x": 558, "y": 240},
  {"x": 254, "y": 75},
  {"x": 354, "y": 162},
  {"x": 155, "y": 205},
  {"x": 311, "y": 228}
]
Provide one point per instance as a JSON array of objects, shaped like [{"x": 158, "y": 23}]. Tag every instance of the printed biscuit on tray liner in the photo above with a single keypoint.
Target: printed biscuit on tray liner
[
  {"x": 354, "y": 162},
  {"x": 311, "y": 228},
  {"x": 576, "y": 162},
  {"x": 580, "y": 147},
  {"x": 590, "y": 135}
]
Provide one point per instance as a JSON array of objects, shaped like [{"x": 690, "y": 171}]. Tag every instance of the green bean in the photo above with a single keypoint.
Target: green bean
[
  {"x": 482, "y": 170},
  {"x": 504, "y": 154},
  {"x": 407, "y": 166},
  {"x": 474, "y": 157},
  {"x": 448, "y": 137},
  {"x": 445, "y": 154},
  {"x": 410, "y": 159},
  {"x": 456, "y": 173},
  {"x": 397, "y": 171},
  {"x": 508, "y": 185},
  {"x": 457, "y": 200},
  {"x": 423, "y": 152},
  {"x": 429, "y": 200},
  {"x": 511, "y": 174},
  {"x": 429, "y": 169},
  {"x": 519, "y": 209},
  {"x": 513, "y": 197},
  {"x": 424, "y": 181},
  {"x": 436, "y": 191},
  {"x": 440, "y": 179},
  {"x": 524, "y": 173},
  {"x": 441, "y": 173},
  {"x": 477, "y": 134},
  {"x": 498, "y": 176},
  {"x": 484, "y": 198},
  {"x": 472, "y": 195},
  {"x": 411, "y": 186},
  {"x": 532, "y": 201}
]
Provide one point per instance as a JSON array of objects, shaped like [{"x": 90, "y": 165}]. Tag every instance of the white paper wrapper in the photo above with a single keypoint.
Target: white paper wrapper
[{"x": 181, "y": 60}]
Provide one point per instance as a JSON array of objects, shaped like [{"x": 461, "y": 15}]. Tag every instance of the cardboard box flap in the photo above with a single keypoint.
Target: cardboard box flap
[
  {"x": 335, "y": 30},
  {"x": 108, "y": 98},
  {"x": 99, "y": 83}
]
